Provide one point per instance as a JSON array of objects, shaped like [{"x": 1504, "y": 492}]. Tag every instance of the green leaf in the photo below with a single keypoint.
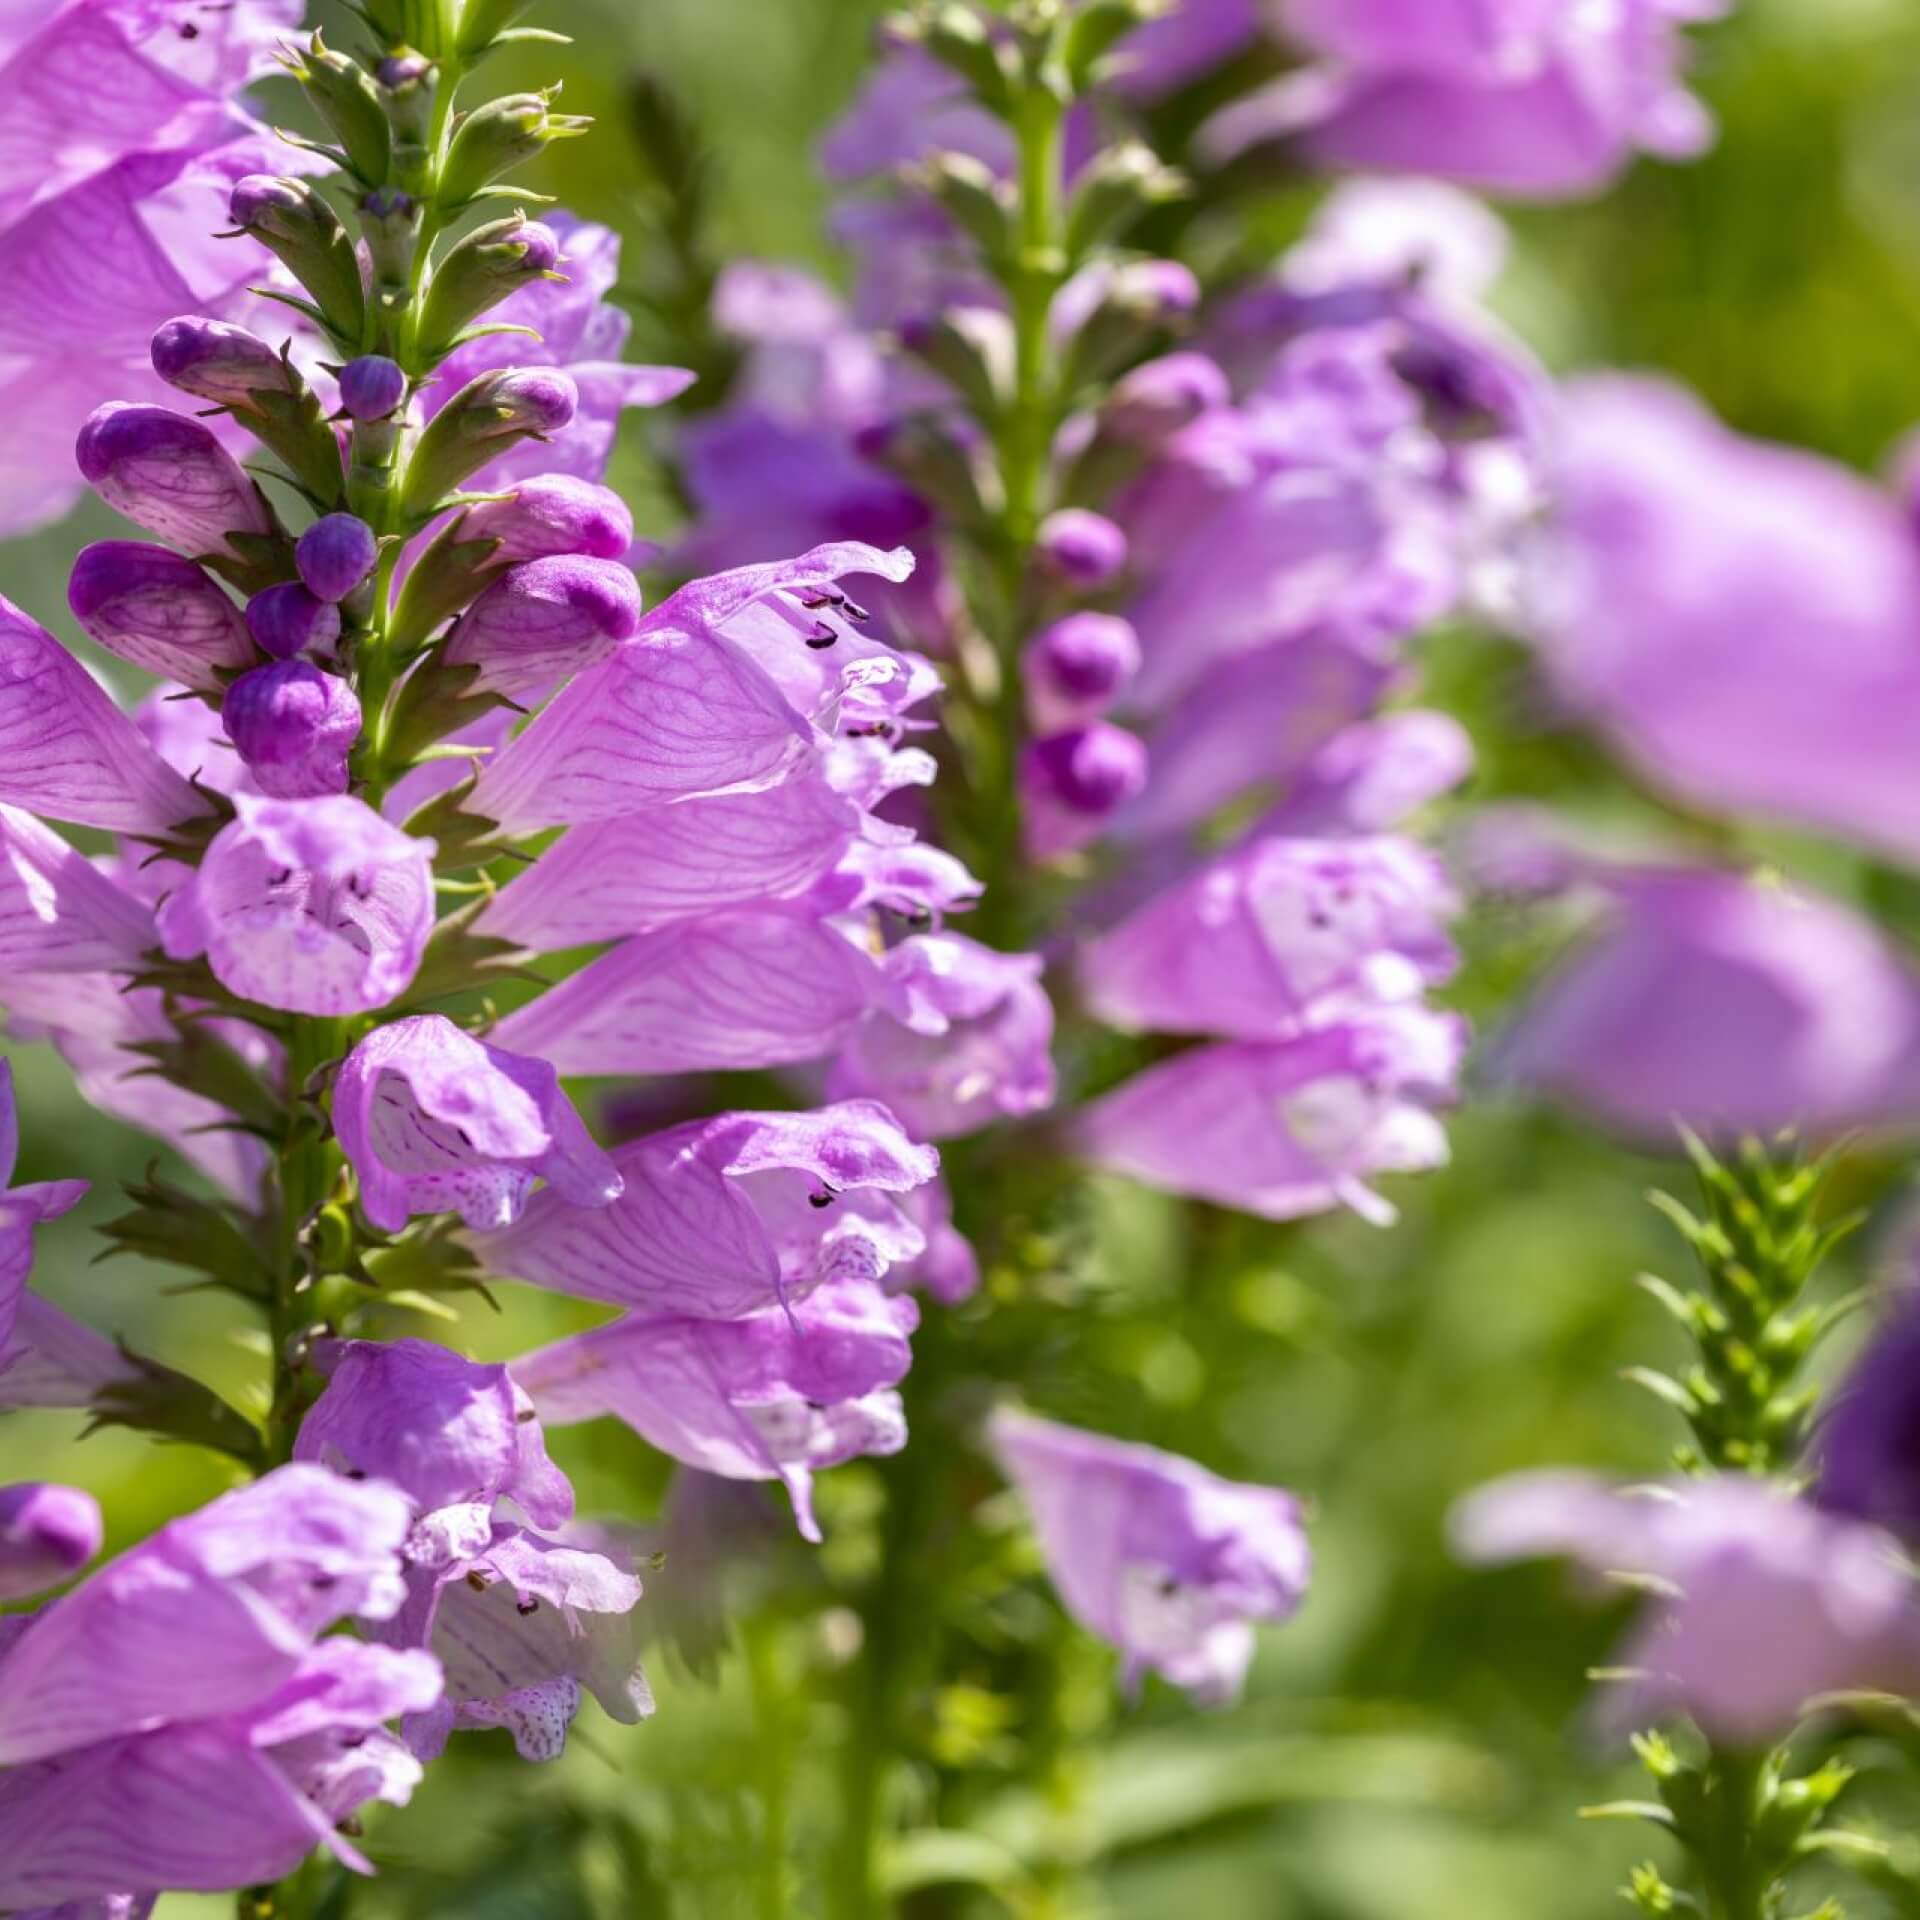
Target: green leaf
[
  {"x": 205, "y": 1065},
  {"x": 172, "y": 1226},
  {"x": 170, "y": 1406}
]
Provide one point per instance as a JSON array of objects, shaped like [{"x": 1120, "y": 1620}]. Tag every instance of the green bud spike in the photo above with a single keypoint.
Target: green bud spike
[
  {"x": 495, "y": 138},
  {"x": 348, "y": 99},
  {"x": 487, "y": 416},
  {"x": 957, "y": 37},
  {"x": 971, "y": 193},
  {"x": 477, "y": 273},
  {"x": 1096, "y": 27},
  {"x": 292, "y": 220},
  {"x": 1119, "y": 186},
  {"x": 482, "y": 22},
  {"x": 971, "y": 348}
]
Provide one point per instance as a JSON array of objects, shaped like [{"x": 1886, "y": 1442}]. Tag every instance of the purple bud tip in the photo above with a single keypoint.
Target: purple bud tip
[
  {"x": 1162, "y": 287},
  {"x": 554, "y": 513},
  {"x": 388, "y": 203},
  {"x": 289, "y": 619},
  {"x": 401, "y": 69},
  {"x": 1084, "y": 548},
  {"x": 294, "y": 727},
  {"x": 254, "y": 193},
  {"x": 335, "y": 554},
  {"x": 1089, "y": 770},
  {"x": 1166, "y": 394},
  {"x": 213, "y": 360},
  {"x": 372, "y": 386},
  {"x": 122, "y": 431},
  {"x": 1085, "y": 659},
  {"x": 46, "y": 1533},
  {"x": 542, "y": 246},
  {"x": 541, "y": 398}
]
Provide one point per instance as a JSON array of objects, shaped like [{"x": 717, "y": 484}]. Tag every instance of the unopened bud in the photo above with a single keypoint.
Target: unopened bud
[
  {"x": 544, "y": 620},
  {"x": 1113, "y": 313},
  {"x": 372, "y": 386},
  {"x": 47, "y": 1534},
  {"x": 935, "y": 461},
  {"x": 972, "y": 195},
  {"x": 479, "y": 271},
  {"x": 556, "y": 513},
  {"x": 1073, "y": 783},
  {"x": 334, "y": 555},
  {"x": 400, "y": 70},
  {"x": 1096, "y": 27},
  {"x": 960, "y": 40},
  {"x": 1083, "y": 550},
  {"x": 1114, "y": 189},
  {"x": 170, "y": 475},
  {"x": 291, "y": 619},
  {"x": 217, "y": 362},
  {"x": 1075, "y": 669},
  {"x": 496, "y": 137},
  {"x": 348, "y": 100},
  {"x": 296, "y": 223},
  {"x": 491, "y": 414},
  {"x": 971, "y": 348},
  {"x": 1152, "y": 403},
  {"x": 294, "y": 726},
  {"x": 157, "y": 609}
]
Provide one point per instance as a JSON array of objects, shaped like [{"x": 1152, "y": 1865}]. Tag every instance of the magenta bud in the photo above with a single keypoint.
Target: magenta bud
[
  {"x": 1086, "y": 550},
  {"x": 544, "y": 619},
  {"x": 157, "y": 609},
  {"x": 1076, "y": 668},
  {"x": 335, "y": 554},
  {"x": 1156, "y": 400},
  {"x": 47, "y": 1534},
  {"x": 542, "y": 246},
  {"x": 555, "y": 513},
  {"x": 294, "y": 726},
  {"x": 290, "y": 619},
  {"x": 170, "y": 475},
  {"x": 1162, "y": 290},
  {"x": 401, "y": 70},
  {"x": 217, "y": 362},
  {"x": 1089, "y": 770},
  {"x": 490, "y": 414},
  {"x": 372, "y": 386}
]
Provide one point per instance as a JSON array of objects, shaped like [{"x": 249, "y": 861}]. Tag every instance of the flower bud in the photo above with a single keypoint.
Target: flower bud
[
  {"x": 348, "y": 100},
  {"x": 495, "y": 137},
  {"x": 162, "y": 612},
  {"x": 479, "y": 271},
  {"x": 218, "y": 362},
  {"x": 294, "y": 221},
  {"x": 971, "y": 348},
  {"x": 1084, "y": 550},
  {"x": 1075, "y": 669},
  {"x": 491, "y": 414},
  {"x": 931, "y": 455},
  {"x": 1118, "y": 185},
  {"x": 482, "y": 22},
  {"x": 1154, "y": 401},
  {"x": 290, "y": 619},
  {"x": 555, "y": 513},
  {"x": 543, "y": 620},
  {"x": 959, "y": 39},
  {"x": 170, "y": 475},
  {"x": 46, "y": 1534},
  {"x": 294, "y": 727},
  {"x": 1095, "y": 28},
  {"x": 372, "y": 386},
  {"x": 1112, "y": 313},
  {"x": 972, "y": 195},
  {"x": 399, "y": 70},
  {"x": 335, "y": 554},
  {"x": 1072, "y": 783}
]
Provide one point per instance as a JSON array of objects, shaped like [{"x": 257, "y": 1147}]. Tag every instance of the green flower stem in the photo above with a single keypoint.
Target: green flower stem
[{"x": 1036, "y": 271}]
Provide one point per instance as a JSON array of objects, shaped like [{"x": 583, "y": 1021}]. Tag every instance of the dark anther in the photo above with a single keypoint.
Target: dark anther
[
  {"x": 324, "y": 1582},
  {"x": 816, "y": 1406},
  {"x": 350, "y": 1827},
  {"x": 477, "y": 1581},
  {"x": 824, "y": 1198},
  {"x": 526, "y": 1416},
  {"x": 356, "y": 1473},
  {"x": 822, "y": 636},
  {"x": 525, "y": 1607},
  {"x": 466, "y": 1139},
  {"x": 360, "y": 886},
  {"x": 281, "y": 878},
  {"x": 918, "y": 918},
  {"x": 813, "y": 602},
  {"x": 859, "y": 615},
  {"x": 189, "y": 31},
  {"x": 1168, "y": 1586}
]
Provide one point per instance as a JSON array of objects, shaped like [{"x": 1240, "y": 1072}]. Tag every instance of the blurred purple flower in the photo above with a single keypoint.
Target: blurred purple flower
[{"x": 47, "y": 1534}]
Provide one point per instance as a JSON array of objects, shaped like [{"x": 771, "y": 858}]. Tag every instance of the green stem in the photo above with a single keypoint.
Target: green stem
[
  {"x": 301, "y": 1182},
  {"x": 1736, "y": 1882},
  {"x": 772, "y": 1719},
  {"x": 1037, "y": 269}
]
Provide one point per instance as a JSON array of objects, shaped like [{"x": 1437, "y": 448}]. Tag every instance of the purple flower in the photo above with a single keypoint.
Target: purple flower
[
  {"x": 1165, "y": 1561},
  {"x": 294, "y": 727},
  {"x": 1540, "y": 101},
  {"x": 432, "y": 1119},
  {"x": 1152, "y": 402},
  {"x": 1289, "y": 1128},
  {"x": 518, "y": 1622},
  {"x": 314, "y": 906},
  {"x": 553, "y": 513},
  {"x": 47, "y": 1534},
  {"x": 948, "y": 1269},
  {"x": 228, "y": 1761},
  {"x": 578, "y": 328},
  {"x": 1075, "y": 669},
  {"x": 22, "y": 1209},
  {"x": 1730, "y": 1003},
  {"x": 67, "y": 751},
  {"x": 158, "y": 610},
  {"x": 334, "y": 555},
  {"x": 58, "y": 912},
  {"x": 978, "y": 1048},
  {"x": 1868, "y": 1440},
  {"x": 730, "y": 1216},
  {"x": 1086, "y": 550},
  {"x": 218, "y": 362},
  {"x": 745, "y": 987},
  {"x": 291, "y": 619},
  {"x": 1183, "y": 44},
  {"x": 52, "y": 1360},
  {"x": 1371, "y": 776},
  {"x": 1073, "y": 783},
  {"x": 543, "y": 620},
  {"x": 1247, "y": 946},
  {"x": 372, "y": 386},
  {"x": 1736, "y": 617},
  {"x": 171, "y": 475},
  {"x": 447, "y": 1432},
  {"x": 1770, "y": 1602},
  {"x": 773, "y": 1396}
]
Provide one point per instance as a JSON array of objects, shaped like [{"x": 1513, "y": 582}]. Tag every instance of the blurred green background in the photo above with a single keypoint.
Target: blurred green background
[{"x": 1411, "y": 1746}]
